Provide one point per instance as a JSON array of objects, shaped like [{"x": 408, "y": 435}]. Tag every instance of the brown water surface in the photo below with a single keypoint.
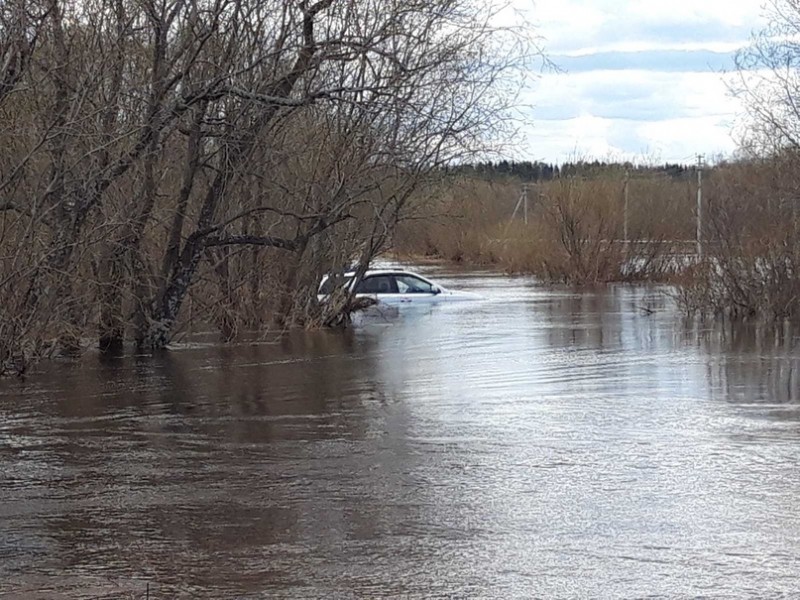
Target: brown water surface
[{"x": 537, "y": 443}]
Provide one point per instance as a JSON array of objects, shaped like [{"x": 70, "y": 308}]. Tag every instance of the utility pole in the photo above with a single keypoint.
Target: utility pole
[
  {"x": 525, "y": 202},
  {"x": 700, "y": 206},
  {"x": 625, "y": 208},
  {"x": 521, "y": 202}
]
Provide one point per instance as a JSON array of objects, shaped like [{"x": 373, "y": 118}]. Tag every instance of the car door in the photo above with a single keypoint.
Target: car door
[
  {"x": 381, "y": 287},
  {"x": 413, "y": 289}
]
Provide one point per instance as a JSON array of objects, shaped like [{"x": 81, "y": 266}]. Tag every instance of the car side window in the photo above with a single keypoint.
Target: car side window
[
  {"x": 376, "y": 284},
  {"x": 408, "y": 284}
]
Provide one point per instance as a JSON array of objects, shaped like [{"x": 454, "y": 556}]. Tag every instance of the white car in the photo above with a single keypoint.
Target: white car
[{"x": 393, "y": 286}]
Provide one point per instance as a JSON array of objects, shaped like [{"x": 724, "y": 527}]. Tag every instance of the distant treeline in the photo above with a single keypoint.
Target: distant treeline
[{"x": 540, "y": 171}]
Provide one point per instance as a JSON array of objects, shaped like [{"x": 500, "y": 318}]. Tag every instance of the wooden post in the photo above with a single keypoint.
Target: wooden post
[
  {"x": 700, "y": 207},
  {"x": 625, "y": 237},
  {"x": 525, "y": 202}
]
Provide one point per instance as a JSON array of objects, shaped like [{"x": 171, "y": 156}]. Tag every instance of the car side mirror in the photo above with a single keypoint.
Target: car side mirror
[{"x": 436, "y": 290}]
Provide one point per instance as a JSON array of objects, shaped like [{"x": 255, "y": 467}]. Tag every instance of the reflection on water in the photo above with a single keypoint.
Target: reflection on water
[{"x": 540, "y": 442}]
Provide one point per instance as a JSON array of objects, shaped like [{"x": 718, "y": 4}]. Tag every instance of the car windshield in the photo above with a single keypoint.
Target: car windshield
[{"x": 408, "y": 284}]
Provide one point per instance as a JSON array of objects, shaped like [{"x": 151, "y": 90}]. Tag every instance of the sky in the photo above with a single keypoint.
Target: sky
[{"x": 638, "y": 80}]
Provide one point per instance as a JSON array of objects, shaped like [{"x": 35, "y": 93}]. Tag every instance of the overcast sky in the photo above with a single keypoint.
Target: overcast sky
[{"x": 642, "y": 79}]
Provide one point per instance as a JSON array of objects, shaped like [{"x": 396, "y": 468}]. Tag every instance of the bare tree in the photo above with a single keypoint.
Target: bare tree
[
  {"x": 752, "y": 228},
  {"x": 415, "y": 82},
  {"x": 767, "y": 80},
  {"x": 153, "y": 144}
]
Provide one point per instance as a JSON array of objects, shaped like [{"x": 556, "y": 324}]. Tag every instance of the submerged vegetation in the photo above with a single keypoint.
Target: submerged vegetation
[
  {"x": 206, "y": 161},
  {"x": 163, "y": 162},
  {"x": 579, "y": 231},
  {"x": 572, "y": 229}
]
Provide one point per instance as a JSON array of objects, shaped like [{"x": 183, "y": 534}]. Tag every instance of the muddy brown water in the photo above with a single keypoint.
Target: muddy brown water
[{"x": 537, "y": 443}]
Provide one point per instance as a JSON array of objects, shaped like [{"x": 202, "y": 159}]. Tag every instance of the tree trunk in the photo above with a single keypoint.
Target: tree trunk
[
  {"x": 112, "y": 319},
  {"x": 287, "y": 313},
  {"x": 125, "y": 263},
  {"x": 165, "y": 308}
]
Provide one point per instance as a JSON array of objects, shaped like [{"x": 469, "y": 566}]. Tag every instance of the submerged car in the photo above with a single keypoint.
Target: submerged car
[{"x": 392, "y": 286}]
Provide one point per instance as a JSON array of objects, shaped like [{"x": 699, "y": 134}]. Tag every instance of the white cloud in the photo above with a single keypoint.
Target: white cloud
[
  {"x": 631, "y": 95},
  {"x": 575, "y": 24},
  {"x": 685, "y": 138},
  {"x": 630, "y": 115},
  {"x": 648, "y": 46},
  {"x": 734, "y": 13},
  {"x": 644, "y": 80},
  {"x": 587, "y": 136}
]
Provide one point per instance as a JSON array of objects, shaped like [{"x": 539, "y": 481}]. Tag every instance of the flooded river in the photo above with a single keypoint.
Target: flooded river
[{"x": 536, "y": 443}]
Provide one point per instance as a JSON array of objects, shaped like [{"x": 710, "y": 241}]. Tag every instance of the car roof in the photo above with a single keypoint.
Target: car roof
[{"x": 382, "y": 272}]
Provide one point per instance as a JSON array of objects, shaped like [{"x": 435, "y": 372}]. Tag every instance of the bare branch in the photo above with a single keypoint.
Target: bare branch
[{"x": 250, "y": 240}]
